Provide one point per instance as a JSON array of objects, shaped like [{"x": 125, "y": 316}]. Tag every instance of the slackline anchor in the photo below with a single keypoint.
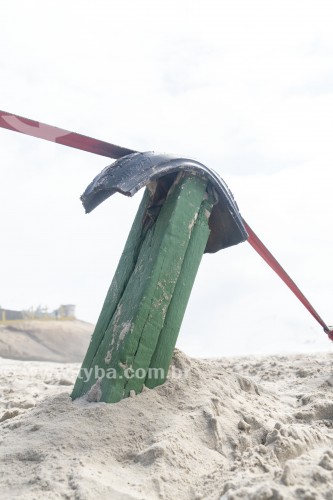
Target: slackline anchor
[{"x": 181, "y": 214}]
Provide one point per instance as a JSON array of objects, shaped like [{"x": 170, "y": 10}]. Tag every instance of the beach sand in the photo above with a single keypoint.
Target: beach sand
[
  {"x": 45, "y": 340},
  {"x": 254, "y": 428}
]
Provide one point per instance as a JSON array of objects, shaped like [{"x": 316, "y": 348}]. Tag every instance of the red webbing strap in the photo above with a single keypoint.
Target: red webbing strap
[
  {"x": 259, "y": 247},
  {"x": 61, "y": 136},
  {"x": 85, "y": 143}
]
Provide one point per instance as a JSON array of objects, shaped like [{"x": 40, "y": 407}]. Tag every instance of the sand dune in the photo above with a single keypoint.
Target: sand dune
[
  {"x": 62, "y": 341},
  {"x": 253, "y": 428}
]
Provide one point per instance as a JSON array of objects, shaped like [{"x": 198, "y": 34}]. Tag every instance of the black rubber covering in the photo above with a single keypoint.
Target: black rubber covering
[{"x": 130, "y": 173}]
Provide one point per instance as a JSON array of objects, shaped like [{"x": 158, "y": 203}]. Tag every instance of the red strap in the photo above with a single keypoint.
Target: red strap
[
  {"x": 259, "y": 247},
  {"x": 85, "y": 143},
  {"x": 61, "y": 136}
]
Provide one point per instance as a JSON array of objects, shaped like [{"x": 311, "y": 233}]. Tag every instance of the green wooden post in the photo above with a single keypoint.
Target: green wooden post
[{"x": 138, "y": 327}]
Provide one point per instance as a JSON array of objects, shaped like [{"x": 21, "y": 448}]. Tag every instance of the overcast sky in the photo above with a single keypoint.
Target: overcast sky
[{"x": 244, "y": 87}]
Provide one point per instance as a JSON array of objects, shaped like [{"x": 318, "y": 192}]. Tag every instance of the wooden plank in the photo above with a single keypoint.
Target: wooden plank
[
  {"x": 162, "y": 356},
  {"x": 120, "y": 279},
  {"x": 138, "y": 316}
]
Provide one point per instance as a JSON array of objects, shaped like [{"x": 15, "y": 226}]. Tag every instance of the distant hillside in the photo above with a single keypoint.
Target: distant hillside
[{"x": 61, "y": 341}]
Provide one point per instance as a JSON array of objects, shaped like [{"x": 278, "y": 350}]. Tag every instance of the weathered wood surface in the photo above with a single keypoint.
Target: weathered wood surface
[
  {"x": 144, "y": 308},
  {"x": 161, "y": 358},
  {"x": 123, "y": 272}
]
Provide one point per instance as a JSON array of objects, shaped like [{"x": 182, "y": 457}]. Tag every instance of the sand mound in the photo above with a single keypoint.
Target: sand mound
[
  {"x": 62, "y": 341},
  {"x": 259, "y": 428}
]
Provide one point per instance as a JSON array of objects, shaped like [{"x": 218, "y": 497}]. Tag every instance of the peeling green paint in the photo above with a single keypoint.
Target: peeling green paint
[{"x": 145, "y": 305}]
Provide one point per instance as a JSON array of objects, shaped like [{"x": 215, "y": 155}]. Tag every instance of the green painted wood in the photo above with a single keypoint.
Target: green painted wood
[
  {"x": 162, "y": 356},
  {"x": 143, "y": 309},
  {"x": 120, "y": 279}
]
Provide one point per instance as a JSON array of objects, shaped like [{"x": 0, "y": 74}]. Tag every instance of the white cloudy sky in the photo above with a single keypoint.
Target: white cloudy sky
[{"x": 244, "y": 87}]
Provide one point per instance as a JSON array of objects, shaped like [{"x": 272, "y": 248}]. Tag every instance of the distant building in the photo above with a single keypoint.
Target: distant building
[
  {"x": 65, "y": 311},
  {"x": 10, "y": 315}
]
